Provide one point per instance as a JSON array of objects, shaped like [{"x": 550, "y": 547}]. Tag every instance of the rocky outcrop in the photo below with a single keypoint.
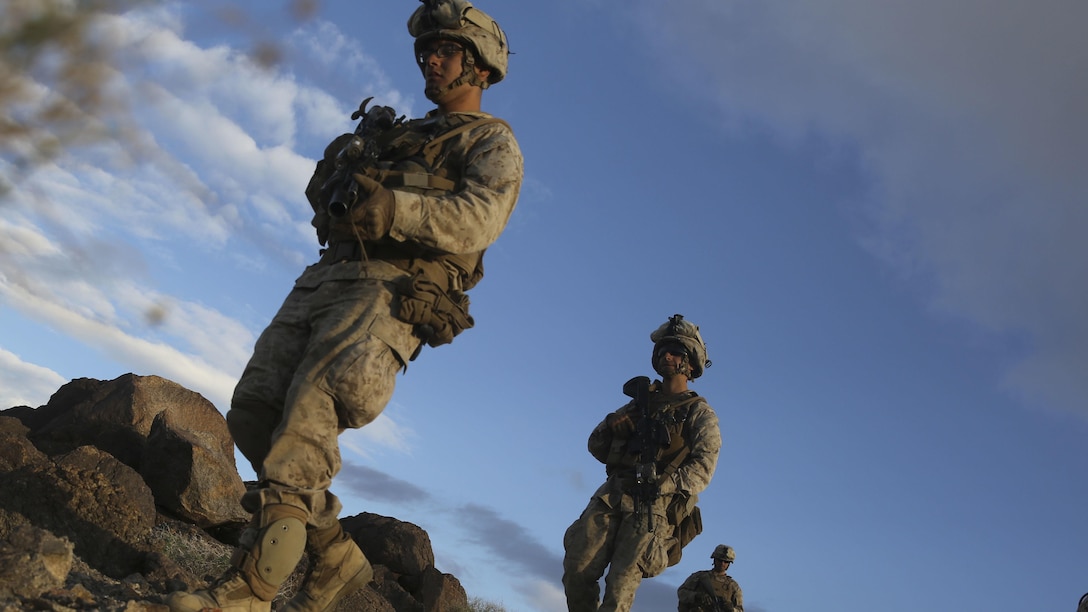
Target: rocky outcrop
[
  {"x": 117, "y": 492},
  {"x": 174, "y": 438}
]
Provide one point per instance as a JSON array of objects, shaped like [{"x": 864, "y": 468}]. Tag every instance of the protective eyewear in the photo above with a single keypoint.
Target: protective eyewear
[
  {"x": 675, "y": 349},
  {"x": 442, "y": 51}
]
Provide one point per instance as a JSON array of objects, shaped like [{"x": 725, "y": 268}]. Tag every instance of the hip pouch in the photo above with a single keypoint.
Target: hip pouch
[
  {"x": 687, "y": 522},
  {"x": 437, "y": 315}
]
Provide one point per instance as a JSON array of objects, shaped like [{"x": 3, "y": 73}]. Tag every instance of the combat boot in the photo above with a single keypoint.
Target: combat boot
[
  {"x": 337, "y": 568},
  {"x": 266, "y": 555}
]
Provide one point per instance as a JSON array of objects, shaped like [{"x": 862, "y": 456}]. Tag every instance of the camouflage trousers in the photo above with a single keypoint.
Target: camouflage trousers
[
  {"x": 325, "y": 363},
  {"x": 616, "y": 538}
]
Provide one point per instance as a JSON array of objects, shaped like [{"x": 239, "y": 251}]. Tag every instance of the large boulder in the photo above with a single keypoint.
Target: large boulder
[
  {"x": 173, "y": 437},
  {"x": 186, "y": 471},
  {"x": 404, "y": 572},
  {"x": 402, "y": 547},
  {"x": 441, "y": 592},
  {"x": 15, "y": 449},
  {"x": 99, "y": 503}
]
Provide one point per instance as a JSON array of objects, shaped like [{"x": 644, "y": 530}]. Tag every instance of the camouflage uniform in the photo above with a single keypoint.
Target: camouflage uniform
[
  {"x": 406, "y": 210},
  {"x": 611, "y": 533},
  {"x": 699, "y": 586},
  {"x": 329, "y": 358}
]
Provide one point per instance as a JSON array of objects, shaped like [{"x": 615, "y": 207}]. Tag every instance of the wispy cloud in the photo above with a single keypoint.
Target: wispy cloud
[
  {"x": 25, "y": 384},
  {"x": 546, "y": 596},
  {"x": 386, "y": 432},
  {"x": 511, "y": 542},
  {"x": 145, "y": 356},
  {"x": 375, "y": 485},
  {"x": 968, "y": 119}
]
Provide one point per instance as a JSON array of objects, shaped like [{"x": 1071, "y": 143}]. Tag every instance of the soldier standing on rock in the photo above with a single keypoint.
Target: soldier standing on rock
[
  {"x": 660, "y": 451},
  {"x": 405, "y": 234},
  {"x": 712, "y": 590}
]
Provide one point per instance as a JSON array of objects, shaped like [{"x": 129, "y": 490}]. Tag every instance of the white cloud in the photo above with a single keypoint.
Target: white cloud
[
  {"x": 545, "y": 596},
  {"x": 968, "y": 117},
  {"x": 385, "y": 432},
  {"x": 96, "y": 329},
  {"x": 25, "y": 384}
]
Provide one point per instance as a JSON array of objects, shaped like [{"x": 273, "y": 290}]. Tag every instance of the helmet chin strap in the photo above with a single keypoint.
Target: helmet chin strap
[
  {"x": 683, "y": 368},
  {"x": 468, "y": 75}
]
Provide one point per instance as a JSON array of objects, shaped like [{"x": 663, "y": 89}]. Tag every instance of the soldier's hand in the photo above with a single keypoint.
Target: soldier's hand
[
  {"x": 375, "y": 209},
  {"x": 706, "y": 600},
  {"x": 621, "y": 425},
  {"x": 666, "y": 485}
]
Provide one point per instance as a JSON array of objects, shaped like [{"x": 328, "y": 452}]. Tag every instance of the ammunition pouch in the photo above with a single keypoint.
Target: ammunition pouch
[
  {"x": 438, "y": 315},
  {"x": 687, "y": 522}
]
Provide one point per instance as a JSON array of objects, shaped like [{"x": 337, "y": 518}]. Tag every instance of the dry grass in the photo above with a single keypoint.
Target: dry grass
[
  {"x": 475, "y": 604},
  {"x": 194, "y": 551}
]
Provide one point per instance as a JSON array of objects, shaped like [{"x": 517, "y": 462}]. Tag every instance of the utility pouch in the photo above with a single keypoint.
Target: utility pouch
[
  {"x": 687, "y": 522},
  {"x": 438, "y": 316}
]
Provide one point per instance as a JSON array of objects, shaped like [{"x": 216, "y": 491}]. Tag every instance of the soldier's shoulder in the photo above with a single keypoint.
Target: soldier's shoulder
[
  {"x": 490, "y": 126},
  {"x": 701, "y": 403}
]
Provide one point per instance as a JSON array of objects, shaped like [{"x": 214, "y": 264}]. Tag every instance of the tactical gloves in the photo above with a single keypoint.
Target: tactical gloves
[
  {"x": 369, "y": 219},
  {"x": 621, "y": 425},
  {"x": 374, "y": 212}
]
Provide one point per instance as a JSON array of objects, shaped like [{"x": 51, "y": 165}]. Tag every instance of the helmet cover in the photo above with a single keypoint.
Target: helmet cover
[
  {"x": 677, "y": 330},
  {"x": 723, "y": 552},
  {"x": 459, "y": 21}
]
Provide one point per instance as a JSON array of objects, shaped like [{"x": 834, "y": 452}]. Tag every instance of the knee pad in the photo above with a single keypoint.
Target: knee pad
[{"x": 269, "y": 558}]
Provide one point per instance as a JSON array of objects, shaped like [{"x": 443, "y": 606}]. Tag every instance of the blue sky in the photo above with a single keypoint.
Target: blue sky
[{"x": 875, "y": 211}]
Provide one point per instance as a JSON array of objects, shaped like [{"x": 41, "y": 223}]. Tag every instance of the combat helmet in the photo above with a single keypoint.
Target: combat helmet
[
  {"x": 677, "y": 330},
  {"x": 723, "y": 552},
  {"x": 484, "y": 41}
]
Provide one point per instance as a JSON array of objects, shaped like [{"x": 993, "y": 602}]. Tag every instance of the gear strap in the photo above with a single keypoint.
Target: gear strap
[{"x": 684, "y": 452}]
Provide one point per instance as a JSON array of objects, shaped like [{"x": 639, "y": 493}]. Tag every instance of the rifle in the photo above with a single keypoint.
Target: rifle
[
  {"x": 719, "y": 603},
  {"x": 360, "y": 152},
  {"x": 647, "y": 441}
]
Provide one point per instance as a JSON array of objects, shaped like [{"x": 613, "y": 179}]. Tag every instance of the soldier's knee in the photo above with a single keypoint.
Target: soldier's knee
[{"x": 251, "y": 425}]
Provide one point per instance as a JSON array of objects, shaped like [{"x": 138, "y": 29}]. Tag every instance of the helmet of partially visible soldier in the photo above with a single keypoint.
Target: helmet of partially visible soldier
[
  {"x": 675, "y": 331},
  {"x": 723, "y": 552},
  {"x": 1083, "y": 605},
  {"x": 459, "y": 21}
]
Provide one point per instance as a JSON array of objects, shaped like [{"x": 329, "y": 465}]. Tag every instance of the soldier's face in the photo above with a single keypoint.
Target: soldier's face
[
  {"x": 671, "y": 359},
  {"x": 442, "y": 62},
  {"x": 721, "y": 565}
]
